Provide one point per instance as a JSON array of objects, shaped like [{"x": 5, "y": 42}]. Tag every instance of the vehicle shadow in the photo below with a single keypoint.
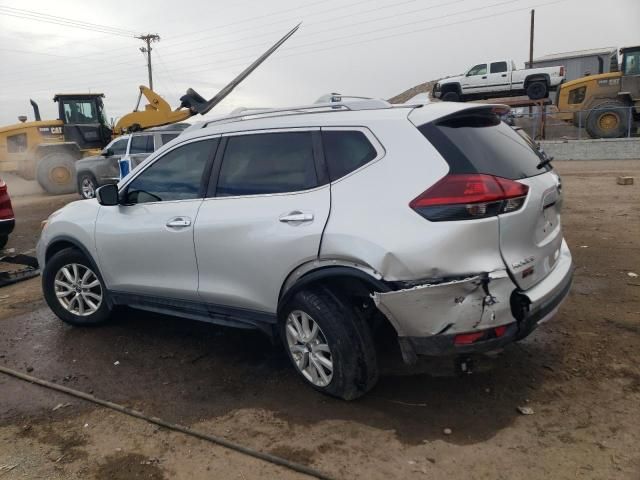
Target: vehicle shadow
[{"x": 187, "y": 371}]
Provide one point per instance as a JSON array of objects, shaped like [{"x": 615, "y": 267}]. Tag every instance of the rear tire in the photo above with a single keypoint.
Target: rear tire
[
  {"x": 608, "y": 120},
  {"x": 537, "y": 90},
  {"x": 85, "y": 302},
  {"x": 87, "y": 185},
  {"x": 342, "y": 338},
  {"x": 451, "y": 97},
  {"x": 56, "y": 173}
]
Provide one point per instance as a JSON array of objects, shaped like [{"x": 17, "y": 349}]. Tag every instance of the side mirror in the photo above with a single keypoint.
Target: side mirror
[
  {"x": 107, "y": 195},
  {"x": 107, "y": 152}
]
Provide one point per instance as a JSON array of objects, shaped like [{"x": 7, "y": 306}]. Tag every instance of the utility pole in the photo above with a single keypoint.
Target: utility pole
[
  {"x": 149, "y": 38},
  {"x": 533, "y": 17}
]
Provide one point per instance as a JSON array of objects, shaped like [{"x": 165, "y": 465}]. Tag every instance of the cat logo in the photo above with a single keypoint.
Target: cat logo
[{"x": 609, "y": 82}]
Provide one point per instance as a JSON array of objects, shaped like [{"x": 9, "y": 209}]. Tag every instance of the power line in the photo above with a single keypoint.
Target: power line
[
  {"x": 39, "y": 17},
  {"x": 229, "y": 63}
]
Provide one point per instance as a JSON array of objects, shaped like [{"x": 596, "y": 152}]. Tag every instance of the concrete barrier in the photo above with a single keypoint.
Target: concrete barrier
[{"x": 601, "y": 149}]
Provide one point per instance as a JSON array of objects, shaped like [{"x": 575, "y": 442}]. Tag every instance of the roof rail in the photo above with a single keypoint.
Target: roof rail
[{"x": 241, "y": 114}]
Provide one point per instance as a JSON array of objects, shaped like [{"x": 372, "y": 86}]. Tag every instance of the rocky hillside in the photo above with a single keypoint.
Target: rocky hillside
[{"x": 412, "y": 92}]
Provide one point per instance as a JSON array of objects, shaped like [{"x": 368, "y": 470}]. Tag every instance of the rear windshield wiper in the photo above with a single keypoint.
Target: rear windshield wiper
[{"x": 543, "y": 163}]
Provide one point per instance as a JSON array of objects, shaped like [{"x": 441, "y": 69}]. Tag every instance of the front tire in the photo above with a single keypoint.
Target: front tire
[
  {"x": 56, "y": 173},
  {"x": 74, "y": 289},
  {"x": 451, "y": 97},
  {"x": 329, "y": 344},
  {"x": 87, "y": 185},
  {"x": 608, "y": 120}
]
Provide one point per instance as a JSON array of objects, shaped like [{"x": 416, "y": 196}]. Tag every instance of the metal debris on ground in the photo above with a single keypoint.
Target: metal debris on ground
[
  {"x": 447, "y": 431},
  {"x": 526, "y": 410},
  {"x": 9, "y": 276},
  {"x": 632, "y": 274}
]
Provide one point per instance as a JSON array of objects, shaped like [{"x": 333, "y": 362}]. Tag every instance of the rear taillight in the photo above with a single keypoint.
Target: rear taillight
[
  {"x": 6, "y": 211},
  {"x": 469, "y": 196}
]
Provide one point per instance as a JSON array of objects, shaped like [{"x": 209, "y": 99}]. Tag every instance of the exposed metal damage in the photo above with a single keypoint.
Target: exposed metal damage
[{"x": 472, "y": 303}]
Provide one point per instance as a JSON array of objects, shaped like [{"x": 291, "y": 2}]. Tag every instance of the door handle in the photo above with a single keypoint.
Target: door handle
[
  {"x": 296, "y": 216},
  {"x": 179, "y": 222},
  {"x": 484, "y": 77},
  {"x": 503, "y": 75}
]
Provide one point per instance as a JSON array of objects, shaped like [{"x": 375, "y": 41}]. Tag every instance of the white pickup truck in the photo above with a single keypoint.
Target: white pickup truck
[{"x": 499, "y": 79}]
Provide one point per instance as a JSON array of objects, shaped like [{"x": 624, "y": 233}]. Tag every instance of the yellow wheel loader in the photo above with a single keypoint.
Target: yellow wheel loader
[
  {"x": 607, "y": 105},
  {"x": 46, "y": 150}
]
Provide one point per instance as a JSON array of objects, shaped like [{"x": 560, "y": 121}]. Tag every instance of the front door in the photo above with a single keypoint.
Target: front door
[
  {"x": 263, "y": 219},
  {"x": 145, "y": 246},
  {"x": 475, "y": 81}
]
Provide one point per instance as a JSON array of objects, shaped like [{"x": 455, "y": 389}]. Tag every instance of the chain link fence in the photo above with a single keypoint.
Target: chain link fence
[{"x": 548, "y": 123}]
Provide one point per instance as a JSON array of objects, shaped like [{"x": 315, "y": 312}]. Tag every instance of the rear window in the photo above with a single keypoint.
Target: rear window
[
  {"x": 478, "y": 142},
  {"x": 346, "y": 151}
]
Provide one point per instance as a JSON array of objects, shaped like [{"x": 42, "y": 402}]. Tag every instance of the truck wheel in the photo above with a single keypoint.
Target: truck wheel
[
  {"x": 608, "y": 120},
  {"x": 537, "y": 90},
  {"x": 451, "y": 97},
  {"x": 87, "y": 185},
  {"x": 329, "y": 345},
  {"x": 56, "y": 173}
]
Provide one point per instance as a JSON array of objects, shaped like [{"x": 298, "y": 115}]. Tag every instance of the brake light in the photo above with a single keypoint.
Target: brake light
[
  {"x": 6, "y": 210},
  {"x": 469, "y": 196}
]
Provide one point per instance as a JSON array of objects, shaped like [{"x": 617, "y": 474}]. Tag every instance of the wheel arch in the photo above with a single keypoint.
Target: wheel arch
[
  {"x": 63, "y": 242},
  {"x": 330, "y": 275},
  {"x": 536, "y": 77},
  {"x": 63, "y": 147},
  {"x": 450, "y": 87}
]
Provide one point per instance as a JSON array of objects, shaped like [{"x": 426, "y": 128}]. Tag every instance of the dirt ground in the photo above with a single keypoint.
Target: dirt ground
[{"x": 579, "y": 373}]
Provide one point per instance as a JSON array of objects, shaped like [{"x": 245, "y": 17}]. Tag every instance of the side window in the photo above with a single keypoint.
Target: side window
[
  {"x": 480, "y": 69},
  {"x": 119, "y": 147},
  {"x": 346, "y": 151},
  {"x": 498, "y": 67},
  {"x": 141, "y": 144},
  {"x": 267, "y": 163},
  {"x": 167, "y": 137},
  {"x": 176, "y": 175},
  {"x": 17, "y": 143}
]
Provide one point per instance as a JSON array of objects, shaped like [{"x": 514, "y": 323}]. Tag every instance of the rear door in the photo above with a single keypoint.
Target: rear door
[
  {"x": 142, "y": 145},
  {"x": 498, "y": 77},
  {"x": 268, "y": 203},
  {"x": 475, "y": 141}
]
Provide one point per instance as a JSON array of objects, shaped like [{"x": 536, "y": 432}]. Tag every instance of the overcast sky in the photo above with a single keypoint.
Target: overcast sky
[{"x": 374, "y": 48}]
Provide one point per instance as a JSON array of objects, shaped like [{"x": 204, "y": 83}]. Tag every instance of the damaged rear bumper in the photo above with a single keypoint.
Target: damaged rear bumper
[{"x": 429, "y": 317}]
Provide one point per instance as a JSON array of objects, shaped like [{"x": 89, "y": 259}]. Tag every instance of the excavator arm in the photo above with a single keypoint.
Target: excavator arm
[
  {"x": 158, "y": 112},
  {"x": 155, "y": 114}
]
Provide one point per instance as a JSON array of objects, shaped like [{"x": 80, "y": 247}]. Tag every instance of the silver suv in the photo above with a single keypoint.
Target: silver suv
[
  {"x": 93, "y": 172},
  {"x": 321, "y": 225}
]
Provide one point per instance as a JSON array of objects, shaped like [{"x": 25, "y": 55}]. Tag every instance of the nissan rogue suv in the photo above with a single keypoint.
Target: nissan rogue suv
[{"x": 320, "y": 224}]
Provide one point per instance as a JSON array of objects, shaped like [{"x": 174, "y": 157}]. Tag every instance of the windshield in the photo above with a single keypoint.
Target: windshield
[{"x": 81, "y": 111}]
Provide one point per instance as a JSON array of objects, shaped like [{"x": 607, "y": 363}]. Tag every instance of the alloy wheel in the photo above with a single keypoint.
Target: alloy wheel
[
  {"x": 309, "y": 348},
  {"x": 88, "y": 188},
  {"x": 78, "y": 289}
]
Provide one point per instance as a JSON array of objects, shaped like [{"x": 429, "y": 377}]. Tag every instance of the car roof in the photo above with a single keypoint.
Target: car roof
[{"x": 314, "y": 116}]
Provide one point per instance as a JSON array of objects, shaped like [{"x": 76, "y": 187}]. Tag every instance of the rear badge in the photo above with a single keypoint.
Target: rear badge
[{"x": 523, "y": 262}]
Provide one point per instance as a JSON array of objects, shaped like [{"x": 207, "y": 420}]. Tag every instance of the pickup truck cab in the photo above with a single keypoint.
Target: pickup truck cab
[{"x": 499, "y": 79}]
